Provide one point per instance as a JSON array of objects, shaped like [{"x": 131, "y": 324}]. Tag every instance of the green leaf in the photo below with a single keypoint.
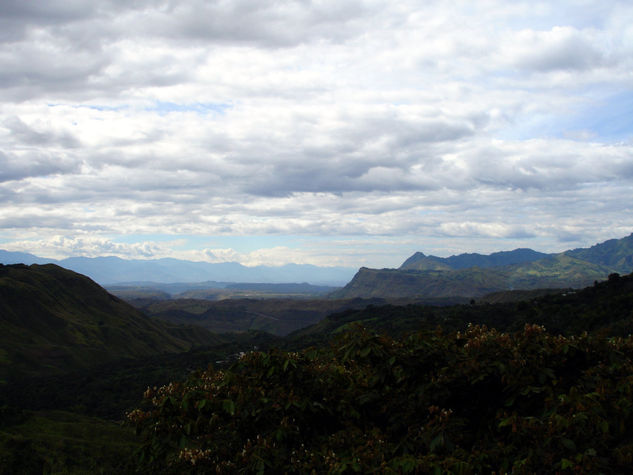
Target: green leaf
[
  {"x": 505, "y": 422},
  {"x": 229, "y": 406},
  {"x": 565, "y": 463},
  {"x": 280, "y": 435},
  {"x": 569, "y": 444},
  {"x": 437, "y": 442}
]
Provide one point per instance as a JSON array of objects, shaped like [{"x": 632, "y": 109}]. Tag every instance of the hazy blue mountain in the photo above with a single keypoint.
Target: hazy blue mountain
[
  {"x": 8, "y": 257},
  {"x": 112, "y": 270},
  {"x": 614, "y": 253}
]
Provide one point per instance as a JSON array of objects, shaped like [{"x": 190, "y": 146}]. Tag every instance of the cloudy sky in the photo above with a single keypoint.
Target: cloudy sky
[{"x": 330, "y": 132}]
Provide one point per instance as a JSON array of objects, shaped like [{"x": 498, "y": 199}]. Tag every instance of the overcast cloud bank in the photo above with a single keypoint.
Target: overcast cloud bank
[{"x": 339, "y": 132}]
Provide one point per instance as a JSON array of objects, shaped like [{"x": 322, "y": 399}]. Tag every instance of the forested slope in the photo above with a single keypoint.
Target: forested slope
[{"x": 54, "y": 320}]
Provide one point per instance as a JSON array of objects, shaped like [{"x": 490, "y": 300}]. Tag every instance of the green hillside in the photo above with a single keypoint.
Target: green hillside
[
  {"x": 368, "y": 400},
  {"x": 53, "y": 320},
  {"x": 393, "y": 283},
  {"x": 432, "y": 277},
  {"x": 616, "y": 254},
  {"x": 74, "y": 359},
  {"x": 561, "y": 270},
  {"x": 605, "y": 308},
  {"x": 419, "y": 261}
]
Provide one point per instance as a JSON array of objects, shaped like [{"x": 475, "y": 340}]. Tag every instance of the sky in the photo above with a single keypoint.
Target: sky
[{"x": 328, "y": 132}]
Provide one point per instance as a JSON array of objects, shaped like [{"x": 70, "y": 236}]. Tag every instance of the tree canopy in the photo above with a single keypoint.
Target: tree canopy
[{"x": 479, "y": 401}]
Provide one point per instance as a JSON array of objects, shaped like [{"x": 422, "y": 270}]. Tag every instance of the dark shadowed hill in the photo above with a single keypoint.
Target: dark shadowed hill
[
  {"x": 54, "y": 320},
  {"x": 605, "y": 308},
  {"x": 273, "y": 315}
]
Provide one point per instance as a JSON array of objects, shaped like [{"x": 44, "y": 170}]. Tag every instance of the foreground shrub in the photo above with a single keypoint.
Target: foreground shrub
[{"x": 476, "y": 402}]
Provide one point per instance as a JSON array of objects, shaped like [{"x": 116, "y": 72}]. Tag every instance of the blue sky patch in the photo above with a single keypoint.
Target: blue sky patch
[{"x": 202, "y": 108}]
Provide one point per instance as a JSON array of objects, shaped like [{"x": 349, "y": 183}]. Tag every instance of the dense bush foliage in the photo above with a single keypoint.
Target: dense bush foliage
[{"x": 480, "y": 401}]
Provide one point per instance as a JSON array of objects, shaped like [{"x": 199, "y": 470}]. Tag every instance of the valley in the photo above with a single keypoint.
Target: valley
[
  {"x": 76, "y": 358},
  {"x": 316, "y": 237}
]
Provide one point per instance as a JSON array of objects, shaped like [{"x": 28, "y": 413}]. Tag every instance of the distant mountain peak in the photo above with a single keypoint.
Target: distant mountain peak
[
  {"x": 473, "y": 275},
  {"x": 614, "y": 253},
  {"x": 419, "y": 261}
]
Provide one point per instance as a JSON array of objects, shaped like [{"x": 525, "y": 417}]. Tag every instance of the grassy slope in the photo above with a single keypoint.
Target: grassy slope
[
  {"x": 561, "y": 270},
  {"x": 464, "y": 261},
  {"x": 53, "y": 320},
  {"x": 63, "y": 442},
  {"x": 431, "y": 283},
  {"x": 68, "y": 423},
  {"x": 616, "y": 254},
  {"x": 74, "y": 358}
]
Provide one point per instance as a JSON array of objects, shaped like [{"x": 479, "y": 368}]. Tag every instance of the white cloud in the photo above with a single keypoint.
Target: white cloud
[
  {"x": 59, "y": 247},
  {"x": 356, "y": 118},
  {"x": 561, "y": 48}
]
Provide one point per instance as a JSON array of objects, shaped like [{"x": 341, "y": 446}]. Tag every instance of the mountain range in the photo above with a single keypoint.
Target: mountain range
[
  {"x": 475, "y": 275},
  {"x": 419, "y": 277},
  {"x": 114, "y": 270},
  {"x": 419, "y": 261},
  {"x": 69, "y": 349}
]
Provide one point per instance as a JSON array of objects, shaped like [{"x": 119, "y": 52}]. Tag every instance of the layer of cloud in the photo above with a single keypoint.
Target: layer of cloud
[{"x": 468, "y": 121}]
